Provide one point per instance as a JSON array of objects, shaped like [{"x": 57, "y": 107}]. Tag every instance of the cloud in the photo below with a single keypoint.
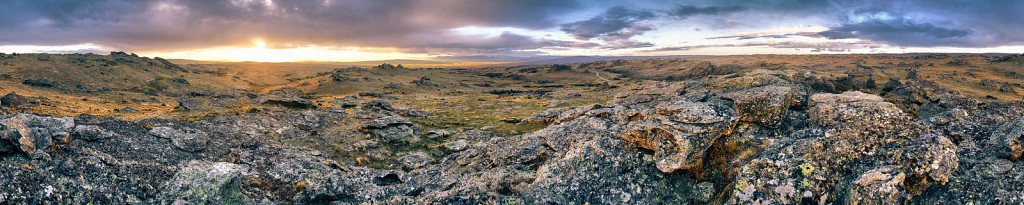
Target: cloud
[
  {"x": 429, "y": 26},
  {"x": 611, "y": 22},
  {"x": 903, "y": 32},
  {"x": 815, "y": 47},
  {"x": 750, "y": 36},
  {"x": 189, "y": 24},
  {"x": 923, "y": 23},
  {"x": 615, "y": 27},
  {"x": 684, "y": 11}
]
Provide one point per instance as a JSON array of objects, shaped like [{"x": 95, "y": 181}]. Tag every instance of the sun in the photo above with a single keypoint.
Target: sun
[{"x": 259, "y": 43}]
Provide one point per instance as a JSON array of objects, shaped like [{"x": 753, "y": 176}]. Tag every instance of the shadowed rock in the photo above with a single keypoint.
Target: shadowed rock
[
  {"x": 288, "y": 97},
  {"x": 14, "y": 100},
  {"x": 1009, "y": 139}
]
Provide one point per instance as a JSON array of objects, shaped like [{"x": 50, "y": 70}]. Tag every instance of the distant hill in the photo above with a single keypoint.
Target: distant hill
[
  {"x": 467, "y": 61},
  {"x": 87, "y": 73},
  {"x": 340, "y": 63},
  {"x": 585, "y": 59}
]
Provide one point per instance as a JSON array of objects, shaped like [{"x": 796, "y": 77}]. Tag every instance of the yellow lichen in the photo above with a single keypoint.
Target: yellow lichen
[
  {"x": 806, "y": 169},
  {"x": 299, "y": 186}
]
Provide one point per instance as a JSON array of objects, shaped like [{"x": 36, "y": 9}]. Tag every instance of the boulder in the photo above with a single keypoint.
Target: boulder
[
  {"x": 438, "y": 134},
  {"x": 604, "y": 170},
  {"x": 1008, "y": 139},
  {"x": 201, "y": 182},
  {"x": 765, "y": 105},
  {"x": 455, "y": 146},
  {"x": 186, "y": 139},
  {"x": 191, "y": 104},
  {"x": 679, "y": 131},
  {"x": 425, "y": 81},
  {"x": 378, "y": 105},
  {"x": 93, "y": 133},
  {"x": 288, "y": 97},
  {"x": 392, "y": 129},
  {"x": 415, "y": 160},
  {"x": 14, "y": 100},
  {"x": 30, "y": 132},
  {"x": 878, "y": 186},
  {"x": 346, "y": 102}
]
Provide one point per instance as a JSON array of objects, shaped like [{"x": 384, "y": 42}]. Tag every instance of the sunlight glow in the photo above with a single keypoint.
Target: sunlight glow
[
  {"x": 78, "y": 48},
  {"x": 306, "y": 53},
  {"x": 260, "y": 43}
]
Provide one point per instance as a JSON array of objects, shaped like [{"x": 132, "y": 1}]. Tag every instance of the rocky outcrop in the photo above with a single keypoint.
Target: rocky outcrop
[
  {"x": 678, "y": 131},
  {"x": 392, "y": 129},
  {"x": 187, "y": 139},
  {"x": 851, "y": 132},
  {"x": 757, "y": 137},
  {"x": 93, "y": 133},
  {"x": 198, "y": 182},
  {"x": 766, "y": 105},
  {"x": 287, "y": 97},
  {"x": 14, "y": 100},
  {"x": 32, "y": 134}
]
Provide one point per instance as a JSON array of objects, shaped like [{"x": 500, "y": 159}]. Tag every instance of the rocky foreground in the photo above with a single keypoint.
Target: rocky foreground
[{"x": 765, "y": 137}]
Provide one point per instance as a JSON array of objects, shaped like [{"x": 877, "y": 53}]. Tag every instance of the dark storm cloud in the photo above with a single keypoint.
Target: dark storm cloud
[
  {"x": 615, "y": 27},
  {"x": 929, "y": 23},
  {"x": 612, "y": 21},
  {"x": 185, "y": 24},
  {"x": 900, "y": 32}
]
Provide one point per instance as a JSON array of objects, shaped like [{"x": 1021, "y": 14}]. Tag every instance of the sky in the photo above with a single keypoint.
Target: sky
[{"x": 506, "y": 30}]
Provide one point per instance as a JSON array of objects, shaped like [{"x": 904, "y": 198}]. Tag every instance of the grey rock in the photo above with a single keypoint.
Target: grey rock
[
  {"x": 68, "y": 167},
  {"x": 679, "y": 132},
  {"x": 438, "y": 134},
  {"x": 29, "y": 132},
  {"x": 1009, "y": 138},
  {"x": 860, "y": 129},
  {"x": 393, "y": 130},
  {"x": 14, "y": 100},
  {"x": 415, "y": 160},
  {"x": 1001, "y": 166},
  {"x": 346, "y": 102},
  {"x": 1007, "y": 88},
  {"x": 377, "y": 105},
  {"x": 93, "y": 133},
  {"x": 288, "y": 97},
  {"x": 40, "y": 155},
  {"x": 414, "y": 113},
  {"x": 425, "y": 81},
  {"x": 200, "y": 182},
  {"x": 186, "y": 139},
  {"x": 457, "y": 145},
  {"x": 766, "y": 105},
  {"x": 191, "y": 104}
]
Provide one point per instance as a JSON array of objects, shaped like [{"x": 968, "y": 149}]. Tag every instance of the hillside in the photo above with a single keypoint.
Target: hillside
[{"x": 779, "y": 129}]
